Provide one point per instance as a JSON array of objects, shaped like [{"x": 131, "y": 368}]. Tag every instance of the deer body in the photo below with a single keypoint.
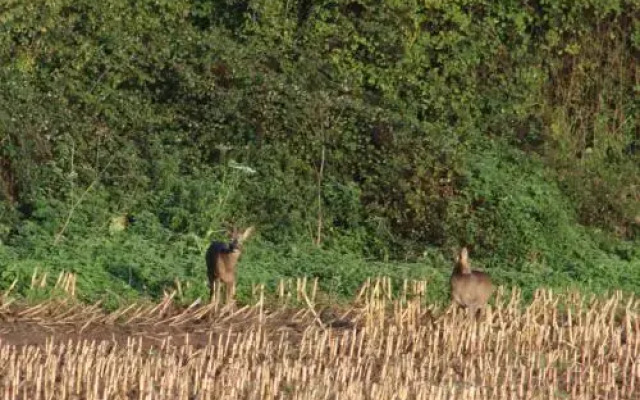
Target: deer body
[
  {"x": 470, "y": 289},
  {"x": 222, "y": 259}
]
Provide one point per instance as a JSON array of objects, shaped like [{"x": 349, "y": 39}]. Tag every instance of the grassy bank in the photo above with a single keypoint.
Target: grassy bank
[{"x": 388, "y": 135}]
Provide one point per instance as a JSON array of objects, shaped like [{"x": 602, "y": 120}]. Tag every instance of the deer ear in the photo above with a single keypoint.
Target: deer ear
[
  {"x": 245, "y": 235},
  {"x": 463, "y": 259}
]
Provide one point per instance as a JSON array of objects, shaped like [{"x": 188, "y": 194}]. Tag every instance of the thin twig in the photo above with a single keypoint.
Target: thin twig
[
  {"x": 320, "y": 178},
  {"x": 78, "y": 202},
  {"x": 313, "y": 311}
]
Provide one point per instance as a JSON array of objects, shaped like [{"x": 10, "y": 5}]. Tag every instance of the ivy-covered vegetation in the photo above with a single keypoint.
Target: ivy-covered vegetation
[{"x": 360, "y": 137}]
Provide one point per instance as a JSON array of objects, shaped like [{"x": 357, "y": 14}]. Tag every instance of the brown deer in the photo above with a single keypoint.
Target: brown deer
[
  {"x": 222, "y": 259},
  {"x": 470, "y": 289}
]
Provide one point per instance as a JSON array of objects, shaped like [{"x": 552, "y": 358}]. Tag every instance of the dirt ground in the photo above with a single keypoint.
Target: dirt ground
[{"x": 197, "y": 331}]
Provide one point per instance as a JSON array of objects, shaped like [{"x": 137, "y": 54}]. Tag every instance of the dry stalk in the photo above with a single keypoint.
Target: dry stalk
[{"x": 554, "y": 348}]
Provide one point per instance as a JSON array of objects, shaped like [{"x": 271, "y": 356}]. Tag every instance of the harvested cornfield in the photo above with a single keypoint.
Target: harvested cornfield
[{"x": 383, "y": 346}]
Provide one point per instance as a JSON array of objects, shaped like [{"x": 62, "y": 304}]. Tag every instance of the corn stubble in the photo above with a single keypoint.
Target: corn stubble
[{"x": 557, "y": 347}]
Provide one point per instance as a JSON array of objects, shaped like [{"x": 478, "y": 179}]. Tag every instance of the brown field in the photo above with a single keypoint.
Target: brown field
[{"x": 382, "y": 346}]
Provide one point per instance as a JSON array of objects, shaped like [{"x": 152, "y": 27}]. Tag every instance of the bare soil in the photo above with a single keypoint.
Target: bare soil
[{"x": 197, "y": 331}]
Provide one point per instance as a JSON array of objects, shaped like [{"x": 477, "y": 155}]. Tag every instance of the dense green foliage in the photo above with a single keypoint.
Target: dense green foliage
[{"x": 378, "y": 133}]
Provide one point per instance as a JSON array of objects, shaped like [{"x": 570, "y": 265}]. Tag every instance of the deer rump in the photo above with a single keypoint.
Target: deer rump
[
  {"x": 472, "y": 289},
  {"x": 469, "y": 288}
]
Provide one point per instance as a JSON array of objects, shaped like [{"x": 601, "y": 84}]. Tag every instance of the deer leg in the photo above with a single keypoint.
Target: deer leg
[
  {"x": 233, "y": 290},
  {"x": 473, "y": 310},
  {"x": 212, "y": 289},
  {"x": 229, "y": 291}
]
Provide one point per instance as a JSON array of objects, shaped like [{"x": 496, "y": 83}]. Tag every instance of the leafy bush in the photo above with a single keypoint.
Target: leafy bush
[{"x": 375, "y": 131}]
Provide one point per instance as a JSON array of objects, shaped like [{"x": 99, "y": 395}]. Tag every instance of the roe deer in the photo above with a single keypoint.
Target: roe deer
[
  {"x": 470, "y": 289},
  {"x": 222, "y": 259}
]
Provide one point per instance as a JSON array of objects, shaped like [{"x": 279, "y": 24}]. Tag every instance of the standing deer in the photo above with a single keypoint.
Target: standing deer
[
  {"x": 222, "y": 259},
  {"x": 470, "y": 289}
]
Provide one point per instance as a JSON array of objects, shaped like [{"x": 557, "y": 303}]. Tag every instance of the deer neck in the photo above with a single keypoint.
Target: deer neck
[
  {"x": 231, "y": 259},
  {"x": 463, "y": 269}
]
